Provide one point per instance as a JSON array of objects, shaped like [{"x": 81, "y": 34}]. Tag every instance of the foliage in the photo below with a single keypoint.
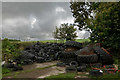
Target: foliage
[
  {"x": 82, "y": 12},
  {"x": 104, "y": 24},
  {"x": 65, "y": 32},
  {"x": 5, "y": 70},
  {"x": 8, "y": 50}
]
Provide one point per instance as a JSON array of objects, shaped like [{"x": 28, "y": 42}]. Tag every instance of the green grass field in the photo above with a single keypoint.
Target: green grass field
[
  {"x": 78, "y": 40},
  {"x": 53, "y": 41}
]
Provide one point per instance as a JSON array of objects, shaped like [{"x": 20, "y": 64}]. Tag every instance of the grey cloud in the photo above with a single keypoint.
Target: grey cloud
[{"x": 17, "y": 19}]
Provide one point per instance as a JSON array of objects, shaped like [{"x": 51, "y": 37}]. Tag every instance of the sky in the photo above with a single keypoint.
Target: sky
[{"x": 35, "y": 20}]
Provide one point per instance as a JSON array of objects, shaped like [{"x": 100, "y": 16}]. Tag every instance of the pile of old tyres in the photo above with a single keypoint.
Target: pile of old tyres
[
  {"x": 38, "y": 52},
  {"x": 68, "y": 54},
  {"x": 71, "y": 54},
  {"x": 41, "y": 52},
  {"x": 78, "y": 58},
  {"x": 104, "y": 57},
  {"x": 86, "y": 55}
]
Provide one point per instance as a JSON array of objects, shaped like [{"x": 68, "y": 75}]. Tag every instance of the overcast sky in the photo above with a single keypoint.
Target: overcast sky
[{"x": 35, "y": 20}]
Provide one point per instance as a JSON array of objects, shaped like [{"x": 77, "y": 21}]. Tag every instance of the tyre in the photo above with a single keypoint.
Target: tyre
[
  {"x": 74, "y": 44},
  {"x": 67, "y": 61},
  {"x": 87, "y": 58},
  {"x": 71, "y": 49},
  {"x": 71, "y": 69},
  {"x": 85, "y": 51},
  {"x": 61, "y": 64},
  {"x": 73, "y": 63},
  {"x": 56, "y": 56},
  {"x": 40, "y": 60},
  {"x": 96, "y": 65},
  {"x": 67, "y": 57},
  {"x": 27, "y": 55},
  {"x": 48, "y": 59},
  {"x": 27, "y": 61},
  {"x": 96, "y": 73},
  {"x": 104, "y": 58},
  {"x": 81, "y": 68}
]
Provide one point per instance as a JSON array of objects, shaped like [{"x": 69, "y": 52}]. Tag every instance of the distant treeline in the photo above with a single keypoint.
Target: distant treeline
[
  {"x": 10, "y": 39},
  {"x": 14, "y": 40}
]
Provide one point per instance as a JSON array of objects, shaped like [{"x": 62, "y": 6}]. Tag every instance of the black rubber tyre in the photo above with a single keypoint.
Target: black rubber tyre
[
  {"x": 87, "y": 58},
  {"x": 104, "y": 58},
  {"x": 27, "y": 55},
  {"x": 71, "y": 69},
  {"x": 27, "y": 61},
  {"x": 67, "y": 61},
  {"x": 74, "y": 44},
  {"x": 40, "y": 60},
  {"x": 48, "y": 59},
  {"x": 95, "y": 73},
  {"x": 61, "y": 64},
  {"x": 81, "y": 68},
  {"x": 67, "y": 57},
  {"x": 73, "y": 63},
  {"x": 96, "y": 65},
  {"x": 85, "y": 51}
]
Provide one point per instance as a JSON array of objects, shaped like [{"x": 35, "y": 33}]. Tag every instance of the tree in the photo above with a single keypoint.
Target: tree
[
  {"x": 82, "y": 12},
  {"x": 65, "y": 32},
  {"x": 104, "y": 25}
]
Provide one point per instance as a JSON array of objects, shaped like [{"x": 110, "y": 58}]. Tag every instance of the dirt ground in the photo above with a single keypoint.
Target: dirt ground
[
  {"x": 42, "y": 70},
  {"x": 38, "y": 70}
]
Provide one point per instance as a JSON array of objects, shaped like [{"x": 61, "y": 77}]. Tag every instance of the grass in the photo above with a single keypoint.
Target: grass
[
  {"x": 53, "y": 41},
  {"x": 59, "y": 41},
  {"x": 82, "y": 40},
  {"x": 63, "y": 75},
  {"x": 107, "y": 77},
  {"x": 5, "y": 70}
]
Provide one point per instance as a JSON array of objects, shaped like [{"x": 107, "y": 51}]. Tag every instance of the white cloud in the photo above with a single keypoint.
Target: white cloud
[
  {"x": 68, "y": 20},
  {"x": 33, "y": 22},
  {"x": 59, "y": 9}
]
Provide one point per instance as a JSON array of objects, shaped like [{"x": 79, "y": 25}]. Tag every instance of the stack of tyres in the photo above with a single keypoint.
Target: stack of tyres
[
  {"x": 67, "y": 57},
  {"x": 40, "y": 52},
  {"x": 104, "y": 58},
  {"x": 86, "y": 55},
  {"x": 68, "y": 54}
]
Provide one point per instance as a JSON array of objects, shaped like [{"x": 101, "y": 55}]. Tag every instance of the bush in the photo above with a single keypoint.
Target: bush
[
  {"x": 9, "y": 50},
  {"x": 5, "y": 70}
]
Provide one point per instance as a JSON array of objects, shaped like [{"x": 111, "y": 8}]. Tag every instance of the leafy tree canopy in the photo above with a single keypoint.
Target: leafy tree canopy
[
  {"x": 65, "y": 32},
  {"x": 102, "y": 18}
]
